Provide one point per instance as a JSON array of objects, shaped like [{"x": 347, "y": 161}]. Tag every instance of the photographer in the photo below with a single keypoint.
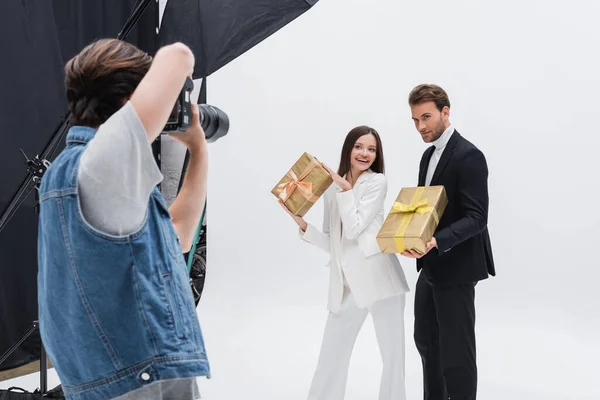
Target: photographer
[{"x": 116, "y": 310}]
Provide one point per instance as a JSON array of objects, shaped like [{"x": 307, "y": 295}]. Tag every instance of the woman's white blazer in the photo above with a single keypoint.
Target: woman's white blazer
[{"x": 371, "y": 275}]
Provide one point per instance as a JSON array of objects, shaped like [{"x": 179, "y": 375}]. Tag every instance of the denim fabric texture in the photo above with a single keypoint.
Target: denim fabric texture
[{"x": 116, "y": 312}]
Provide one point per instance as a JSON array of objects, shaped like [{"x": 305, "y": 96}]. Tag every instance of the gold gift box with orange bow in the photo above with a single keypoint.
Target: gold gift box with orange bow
[
  {"x": 413, "y": 219},
  {"x": 303, "y": 184}
]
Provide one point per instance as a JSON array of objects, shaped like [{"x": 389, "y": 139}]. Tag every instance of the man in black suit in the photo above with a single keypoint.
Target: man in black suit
[{"x": 457, "y": 257}]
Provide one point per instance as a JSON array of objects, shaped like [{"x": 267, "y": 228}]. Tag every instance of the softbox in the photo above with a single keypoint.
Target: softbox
[{"x": 218, "y": 31}]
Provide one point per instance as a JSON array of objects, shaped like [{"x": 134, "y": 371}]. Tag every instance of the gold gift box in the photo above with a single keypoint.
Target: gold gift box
[
  {"x": 413, "y": 219},
  {"x": 303, "y": 184}
]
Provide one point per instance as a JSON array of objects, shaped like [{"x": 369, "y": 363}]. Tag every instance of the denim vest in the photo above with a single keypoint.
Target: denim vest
[{"x": 116, "y": 312}]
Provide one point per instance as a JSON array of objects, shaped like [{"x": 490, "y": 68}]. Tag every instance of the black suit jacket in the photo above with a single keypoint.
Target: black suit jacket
[{"x": 464, "y": 252}]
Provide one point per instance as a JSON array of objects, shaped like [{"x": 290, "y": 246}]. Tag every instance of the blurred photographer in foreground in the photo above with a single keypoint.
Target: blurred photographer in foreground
[{"x": 116, "y": 310}]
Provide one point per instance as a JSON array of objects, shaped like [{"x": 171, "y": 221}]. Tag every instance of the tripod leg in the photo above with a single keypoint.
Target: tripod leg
[
  {"x": 43, "y": 369},
  {"x": 19, "y": 342}
]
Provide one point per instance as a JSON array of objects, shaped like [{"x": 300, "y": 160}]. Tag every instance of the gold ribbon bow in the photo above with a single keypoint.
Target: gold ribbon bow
[
  {"x": 420, "y": 208},
  {"x": 306, "y": 188},
  {"x": 417, "y": 205}
]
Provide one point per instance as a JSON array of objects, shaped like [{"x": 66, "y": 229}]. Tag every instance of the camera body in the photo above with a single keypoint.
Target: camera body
[
  {"x": 181, "y": 115},
  {"x": 214, "y": 122}
]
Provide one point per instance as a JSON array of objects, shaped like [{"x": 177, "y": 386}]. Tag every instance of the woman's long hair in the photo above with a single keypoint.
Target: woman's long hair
[{"x": 351, "y": 138}]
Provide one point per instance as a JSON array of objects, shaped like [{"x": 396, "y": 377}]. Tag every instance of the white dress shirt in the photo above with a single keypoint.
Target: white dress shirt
[{"x": 440, "y": 145}]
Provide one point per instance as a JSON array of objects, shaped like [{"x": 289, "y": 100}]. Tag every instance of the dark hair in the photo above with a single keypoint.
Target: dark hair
[
  {"x": 351, "y": 138},
  {"x": 101, "y": 77},
  {"x": 427, "y": 92}
]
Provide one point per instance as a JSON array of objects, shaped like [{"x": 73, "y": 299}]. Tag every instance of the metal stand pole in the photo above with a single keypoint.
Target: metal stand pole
[
  {"x": 43, "y": 369},
  {"x": 15, "y": 346}
]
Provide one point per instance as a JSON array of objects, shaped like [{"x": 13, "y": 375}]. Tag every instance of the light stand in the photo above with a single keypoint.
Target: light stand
[{"x": 36, "y": 168}]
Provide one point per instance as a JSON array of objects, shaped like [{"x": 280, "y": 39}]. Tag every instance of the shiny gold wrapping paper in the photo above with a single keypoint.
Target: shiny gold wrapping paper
[
  {"x": 302, "y": 186},
  {"x": 413, "y": 219}
]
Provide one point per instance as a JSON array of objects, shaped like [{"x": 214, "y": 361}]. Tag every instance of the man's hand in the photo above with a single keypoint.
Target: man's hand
[
  {"x": 344, "y": 184},
  {"x": 413, "y": 254},
  {"x": 299, "y": 220},
  {"x": 194, "y": 137}
]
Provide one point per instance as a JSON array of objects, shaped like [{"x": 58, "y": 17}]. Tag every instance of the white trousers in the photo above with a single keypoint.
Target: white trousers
[{"x": 341, "y": 330}]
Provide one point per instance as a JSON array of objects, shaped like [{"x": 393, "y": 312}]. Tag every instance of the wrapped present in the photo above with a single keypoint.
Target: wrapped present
[
  {"x": 413, "y": 219},
  {"x": 302, "y": 186}
]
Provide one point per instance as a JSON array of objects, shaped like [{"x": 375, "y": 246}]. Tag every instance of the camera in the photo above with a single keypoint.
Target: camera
[
  {"x": 181, "y": 114},
  {"x": 213, "y": 120}
]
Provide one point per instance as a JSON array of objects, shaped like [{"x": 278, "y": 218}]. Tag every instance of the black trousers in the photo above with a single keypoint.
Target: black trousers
[{"x": 445, "y": 338}]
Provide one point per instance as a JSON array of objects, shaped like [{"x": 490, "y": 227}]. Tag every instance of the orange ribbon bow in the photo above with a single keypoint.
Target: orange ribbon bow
[{"x": 306, "y": 188}]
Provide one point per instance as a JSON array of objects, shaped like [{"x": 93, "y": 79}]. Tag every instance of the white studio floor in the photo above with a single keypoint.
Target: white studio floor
[{"x": 264, "y": 351}]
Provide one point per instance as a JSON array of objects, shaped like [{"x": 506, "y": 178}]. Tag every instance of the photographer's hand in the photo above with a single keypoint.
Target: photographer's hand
[
  {"x": 194, "y": 138},
  {"x": 154, "y": 97},
  {"x": 187, "y": 208}
]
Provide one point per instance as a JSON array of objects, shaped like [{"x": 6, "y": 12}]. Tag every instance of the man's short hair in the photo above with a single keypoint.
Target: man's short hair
[
  {"x": 429, "y": 92},
  {"x": 101, "y": 77}
]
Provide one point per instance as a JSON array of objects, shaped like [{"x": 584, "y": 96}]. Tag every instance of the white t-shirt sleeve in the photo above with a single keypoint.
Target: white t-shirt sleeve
[{"x": 117, "y": 173}]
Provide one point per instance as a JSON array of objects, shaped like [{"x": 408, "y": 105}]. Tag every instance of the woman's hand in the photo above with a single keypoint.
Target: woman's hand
[
  {"x": 344, "y": 184},
  {"x": 299, "y": 220}
]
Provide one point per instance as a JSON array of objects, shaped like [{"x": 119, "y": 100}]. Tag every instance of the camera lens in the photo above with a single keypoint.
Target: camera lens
[{"x": 214, "y": 122}]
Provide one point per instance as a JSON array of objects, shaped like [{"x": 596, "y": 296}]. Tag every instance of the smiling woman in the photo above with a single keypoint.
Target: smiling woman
[
  {"x": 362, "y": 150},
  {"x": 362, "y": 280}
]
